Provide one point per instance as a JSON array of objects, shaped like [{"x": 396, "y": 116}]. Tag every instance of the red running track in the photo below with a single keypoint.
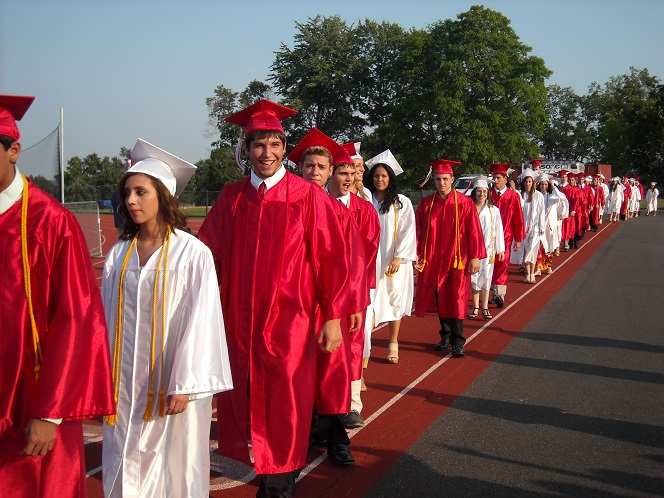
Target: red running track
[{"x": 402, "y": 400}]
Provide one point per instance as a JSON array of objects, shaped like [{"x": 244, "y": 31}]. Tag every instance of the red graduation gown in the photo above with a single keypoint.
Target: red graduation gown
[
  {"x": 276, "y": 260},
  {"x": 438, "y": 218},
  {"x": 627, "y": 195},
  {"x": 75, "y": 377},
  {"x": 511, "y": 214},
  {"x": 600, "y": 200},
  {"x": 334, "y": 370}
]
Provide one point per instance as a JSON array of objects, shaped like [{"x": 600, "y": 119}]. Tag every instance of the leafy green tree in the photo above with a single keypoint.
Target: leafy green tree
[
  {"x": 316, "y": 77},
  {"x": 630, "y": 124}
]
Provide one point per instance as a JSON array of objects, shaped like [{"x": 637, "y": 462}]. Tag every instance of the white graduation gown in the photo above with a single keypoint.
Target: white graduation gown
[
  {"x": 553, "y": 207},
  {"x": 615, "y": 199},
  {"x": 534, "y": 222},
  {"x": 169, "y": 456},
  {"x": 492, "y": 229},
  {"x": 394, "y": 298},
  {"x": 651, "y": 199}
]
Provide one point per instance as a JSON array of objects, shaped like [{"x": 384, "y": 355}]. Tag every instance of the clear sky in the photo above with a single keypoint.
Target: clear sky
[{"x": 136, "y": 68}]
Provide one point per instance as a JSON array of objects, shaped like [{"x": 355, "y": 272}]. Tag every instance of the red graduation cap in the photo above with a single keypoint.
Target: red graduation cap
[
  {"x": 536, "y": 162},
  {"x": 500, "y": 168},
  {"x": 12, "y": 109},
  {"x": 263, "y": 115},
  {"x": 572, "y": 175},
  {"x": 443, "y": 166},
  {"x": 563, "y": 172},
  {"x": 316, "y": 138}
]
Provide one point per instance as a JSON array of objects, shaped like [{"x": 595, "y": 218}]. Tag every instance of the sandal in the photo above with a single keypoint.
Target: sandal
[
  {"x": 473, "y": 314},
  {"x": 393, "y": 353},
  {"x": 486, "y": 314}
]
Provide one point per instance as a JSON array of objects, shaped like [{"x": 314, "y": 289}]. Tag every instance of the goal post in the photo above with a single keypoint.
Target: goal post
[{"x": 87, "y": 215}]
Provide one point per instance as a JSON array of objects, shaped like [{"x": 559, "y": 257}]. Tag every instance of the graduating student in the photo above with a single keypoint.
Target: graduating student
[
  {"x": 532, "y": 204},
  {"x": 494, "y": 242},
  {"x": 509, "y": 204},
  {"x": 627, "y": 195},
  {"x": 450, "y": 245},
  {"x": 274, "y": 237},
  {"x": 651, "y": 199},
  {"x": 334, "y": 371},
  {"x": 167, "y": 335},
  {"x": 396, "y": 254},
  {"x": 368, "y": 232},
  {"x": 357, "y": 187},
  {"x": 615, "y": 199},
  {"x": 598, "y": 206},
  {"x": 55, "y": 367}
]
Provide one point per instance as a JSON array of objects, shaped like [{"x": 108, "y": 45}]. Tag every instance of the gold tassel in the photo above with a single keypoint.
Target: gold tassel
[
  {"x": 461, "y": 265},
  {"x": 148, "y": 409},
  {"x": 456, "y": 262},
  {"x": 492, "y": 260},
  {"x": 162, "y": 403},
  {"x": 424, "y": 263},
  {"x": 110, "y": 419}
]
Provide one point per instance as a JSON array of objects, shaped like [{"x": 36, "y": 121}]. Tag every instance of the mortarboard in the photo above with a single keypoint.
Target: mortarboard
[
  {"x": 386, "y": 157},
  {"x": 316, "y": 138},
  {"x": 263, "y": 115},
  {"x": 12, "y": 109},
  {"x": 500, "y": 168},
  {"x": 536, "y": 162},
  {"x": 353, "y": 148},
  {"x": 440, "y": 167},
  {"x": 172, "y": 171}
]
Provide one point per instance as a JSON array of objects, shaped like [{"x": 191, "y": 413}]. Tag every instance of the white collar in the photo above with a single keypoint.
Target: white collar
[
  {"x": 345, "y": 199},
  {"x": 501, "y": 192},
  {"x": 269, "y": 182},
  {"x": 13, "y": 193}
]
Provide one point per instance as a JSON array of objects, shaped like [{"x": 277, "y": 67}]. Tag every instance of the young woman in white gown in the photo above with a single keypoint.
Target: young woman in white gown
[
  {"x": 167, "y": 338},
  {"x": 396, "y": 251}
]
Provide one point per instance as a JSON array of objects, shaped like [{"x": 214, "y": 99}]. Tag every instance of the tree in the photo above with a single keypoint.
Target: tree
[
  {"x": 630, "y": 123},
  {"x": 317, "y": 78},
  {"x": 572, "y": 126}
]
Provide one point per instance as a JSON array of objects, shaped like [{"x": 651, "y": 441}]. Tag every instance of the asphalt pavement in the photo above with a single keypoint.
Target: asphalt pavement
[{"x": 574, "y": 406}]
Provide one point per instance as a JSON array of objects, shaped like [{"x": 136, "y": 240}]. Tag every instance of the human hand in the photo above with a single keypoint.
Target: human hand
[
  {"x": 394, "y": 267},
  {"x": 39, "y": 437},
  {"x": 330, "y": 336},
  {"x": 176, "y": 403},
  {"x": 354, "y": 322},
  {"x": 500, "y": 255},
  {"x": 473, "y": 266}
]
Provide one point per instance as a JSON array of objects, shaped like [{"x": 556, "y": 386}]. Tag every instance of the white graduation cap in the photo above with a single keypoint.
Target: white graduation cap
[
  {"x": 357, "y": 154},
  {"x": 544, "y": 178},
  {"x": 150, "y": 160},
  {"x": 386, "y": 157},
  {"x": 527, "y": 173},
  {"x": 481, "y": 181}
]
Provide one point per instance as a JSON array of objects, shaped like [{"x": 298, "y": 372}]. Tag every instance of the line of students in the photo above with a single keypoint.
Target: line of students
[{"x": 271, "y": 310}]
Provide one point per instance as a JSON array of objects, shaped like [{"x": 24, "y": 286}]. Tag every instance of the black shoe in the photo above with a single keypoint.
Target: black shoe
[
  {"x": 576, "y": 246},
  {"x": 500, "y": 301},
  {"x": 458, "y": 351},
  {"x": 354, "y": 420},
  {"x": 443, "y": 345},
  {"x": 492, "y": 300},
  {"x": 340, "y": 454},
  {"x": 316, "y": 441}
]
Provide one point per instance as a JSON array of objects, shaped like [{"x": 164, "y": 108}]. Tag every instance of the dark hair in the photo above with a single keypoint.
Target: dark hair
[
  {"x": 6, "y": 141},
  {"x": 523, "y": 188},
  {"x": 261, "y": 134},
  {"x": 549, "y": 185},
  {"x": 391, "y": 193},
  {"x": 168, "y": 206},
  {"x": 473, "y": 196}
]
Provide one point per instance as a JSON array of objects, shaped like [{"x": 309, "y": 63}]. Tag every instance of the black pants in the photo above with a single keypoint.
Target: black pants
[
  {"x": 331, "y": 428},
  {"x": 277, "y": 485},
  {"x": 451, "y": 329}
]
